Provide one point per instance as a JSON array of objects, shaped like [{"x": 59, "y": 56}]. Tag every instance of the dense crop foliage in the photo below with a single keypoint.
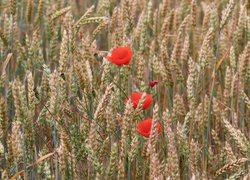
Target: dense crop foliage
[{"x": 129, "y": 89}]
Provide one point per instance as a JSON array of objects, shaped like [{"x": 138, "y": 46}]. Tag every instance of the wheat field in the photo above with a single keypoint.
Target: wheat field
[{"x": 124, "y": 89}]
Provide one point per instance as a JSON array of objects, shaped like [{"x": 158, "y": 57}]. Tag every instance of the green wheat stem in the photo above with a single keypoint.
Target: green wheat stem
[{"x": 211, "y": 97}]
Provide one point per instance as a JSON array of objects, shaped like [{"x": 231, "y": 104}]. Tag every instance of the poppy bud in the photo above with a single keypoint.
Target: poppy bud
[{"x": 153, "y": 83}]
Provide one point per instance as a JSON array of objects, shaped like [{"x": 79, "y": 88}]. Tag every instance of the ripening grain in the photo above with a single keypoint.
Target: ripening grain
[{"x": 129, "y": 89}]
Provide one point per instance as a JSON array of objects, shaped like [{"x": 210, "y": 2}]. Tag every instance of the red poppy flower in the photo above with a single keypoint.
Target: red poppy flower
[
  {"x": 144, "y": 127},
  {"x": 135, "y": 98},
  {"x": 120, "y": 56},
  {"x": 153, "y": 83}
]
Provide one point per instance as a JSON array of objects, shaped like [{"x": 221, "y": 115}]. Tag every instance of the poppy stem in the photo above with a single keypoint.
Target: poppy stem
[
  {"x": 119, "y": 81},
  {"x": 120, "y": 88}
]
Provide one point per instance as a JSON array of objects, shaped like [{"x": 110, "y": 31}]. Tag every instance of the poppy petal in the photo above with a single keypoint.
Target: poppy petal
[
  {"x": 113, "y": 61},
  {"x": 145, "y": 126},
  {"x": 120, "y": 56},
  {"x": 135, "y": 98},
  {"x": 147, "y": 102}
]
